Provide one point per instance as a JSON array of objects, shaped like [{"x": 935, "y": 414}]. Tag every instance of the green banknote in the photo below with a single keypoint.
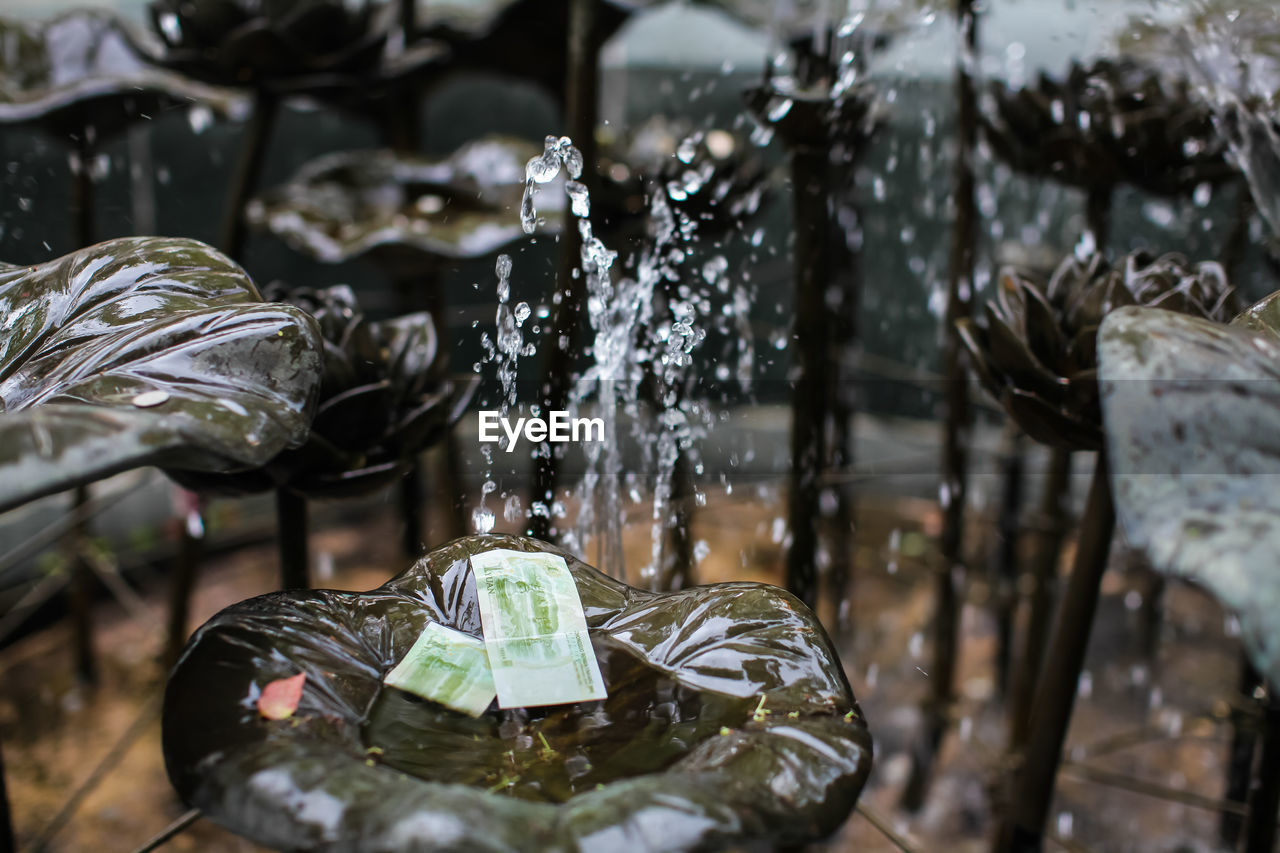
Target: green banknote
[
  {"x": 534, "y": 630},
  {"x": 448, "y": 667}
]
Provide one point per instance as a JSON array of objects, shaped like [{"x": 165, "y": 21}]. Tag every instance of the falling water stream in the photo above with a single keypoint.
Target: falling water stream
[
  {"x": 630, "y": 349},
  {"x": 505, "y": 349}
]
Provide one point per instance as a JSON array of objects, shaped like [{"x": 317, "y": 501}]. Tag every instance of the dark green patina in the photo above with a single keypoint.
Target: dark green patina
[
  {"x": 145, "y": 351},
  {"x": 729, "y": 720},
  {"x": 86, "y": 72},
  {"x": 405, "y": 209},
  {"x": 385, "y": 396}
]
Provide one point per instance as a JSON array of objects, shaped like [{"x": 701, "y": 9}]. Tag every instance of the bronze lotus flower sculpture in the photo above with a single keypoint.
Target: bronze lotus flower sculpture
[
  {"x": 1108, "y": 123},
  {"x": 1036, "y": 349},
  {"x": 729, "y": 721},
  {"x": 384, "y": 397}
]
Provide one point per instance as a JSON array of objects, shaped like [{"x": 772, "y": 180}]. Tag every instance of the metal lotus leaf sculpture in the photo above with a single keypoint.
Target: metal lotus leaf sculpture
[
  {"x": 728, "y": 720},
  {"x": 84, "y": 73},
  {"x": 1035, "y": 350},
  {"x": 289, "y": 46},
  {"x": 145, "y": 351},
  {"x": 383, "y": 399},
  {"x": 1192, "y": 412},
  {"x": 1108, "y": 123},
  {"x": 403, "y": 208}
]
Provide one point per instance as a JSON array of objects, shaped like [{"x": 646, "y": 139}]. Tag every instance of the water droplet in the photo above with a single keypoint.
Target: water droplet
[
  {"x": 544, "y": 169},
  {"x": 778, "y": 108},
  {"x": 572, "y": 158},
  {"x": 687, "y": 149},
  {"x": 171, "y": 27},
  {"x": 761, "y": 135},
  {"x": 714, "y": 269},
  {"x": 482, "y": 520},
  {"x": 579, "y": 201},
  {"x": 150, "y": 399},
  {"x": 528, "y": 213},
  {"x": 200, "y": 117}
]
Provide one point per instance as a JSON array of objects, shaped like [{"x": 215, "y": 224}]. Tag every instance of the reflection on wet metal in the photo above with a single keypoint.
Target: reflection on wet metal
[
  {"x": 150, "y": 399},
  {"x": 728, "y": 720},
  {"x": 126, "y": 354}
]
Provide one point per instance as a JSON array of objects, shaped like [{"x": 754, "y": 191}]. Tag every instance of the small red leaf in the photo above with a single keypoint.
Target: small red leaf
[{"x": 280, "y": 698}]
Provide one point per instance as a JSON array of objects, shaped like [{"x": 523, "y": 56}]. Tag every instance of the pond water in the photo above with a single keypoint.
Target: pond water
[{"x": 648, "y": 722}]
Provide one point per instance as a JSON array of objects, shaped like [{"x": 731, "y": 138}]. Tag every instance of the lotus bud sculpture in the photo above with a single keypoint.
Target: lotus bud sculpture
[
  {"x": 1036, "y": 349},
  {"x": 1108, "y": 123}
]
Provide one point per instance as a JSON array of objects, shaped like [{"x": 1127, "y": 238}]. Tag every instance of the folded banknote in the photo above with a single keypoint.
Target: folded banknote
[
  {"x": 448, "y": 667},
  {"x": 534, "y": 630}
]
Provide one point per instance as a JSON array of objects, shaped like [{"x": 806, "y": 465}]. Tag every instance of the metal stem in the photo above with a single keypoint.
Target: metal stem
[
  {"x": 844, "y": 337},
  {"x": 810, "y": 409},
  {"x": 410, "y": 493},
  {"x": 1005, "y": 569},
  {"x": 1244, "y": 741},
  {"x": 81, "y": 592},
  {"x": 186, "y": 566},
  {"x": 581, "y": 105},
  {"x": 7, "y": 842},
  {"x": 1051, "y": 527},
  {"x": 295, "y": 559},
  {"x": 247, "y": 174},
  {"x": 1264, "y": 799},
  {"x": 170, "y": 832},
  {"x": 1021, "y": 829},
  {"x": 676, "y": 565},
  {"x": 955, "y": 451}
]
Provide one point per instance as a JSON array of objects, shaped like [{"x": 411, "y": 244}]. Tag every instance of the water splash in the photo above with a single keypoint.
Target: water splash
[
  {"x": 505, "y": 349},
  {"x": 1231, "y": 60},
  {"x": 558, "y": 152}
]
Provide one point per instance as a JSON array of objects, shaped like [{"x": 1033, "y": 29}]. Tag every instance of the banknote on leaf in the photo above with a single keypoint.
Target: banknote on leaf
[
  {"x": 534, "y": 630},
  {"x": 448, "y": 667}
]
